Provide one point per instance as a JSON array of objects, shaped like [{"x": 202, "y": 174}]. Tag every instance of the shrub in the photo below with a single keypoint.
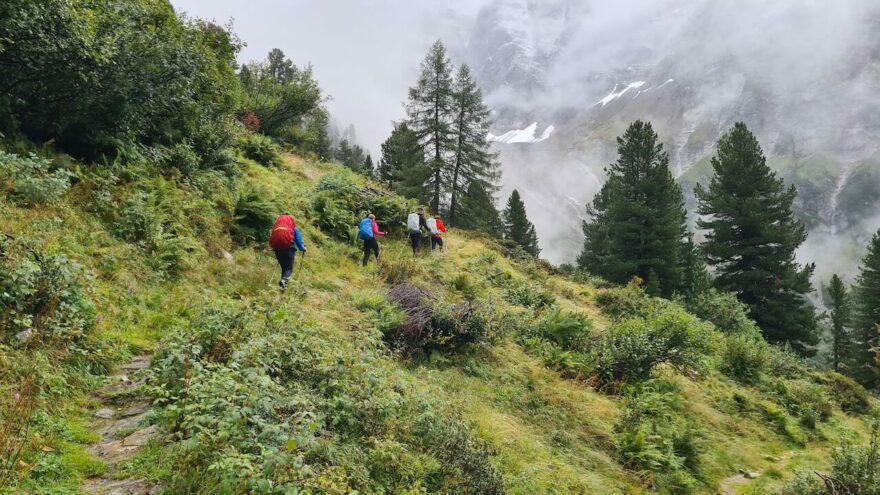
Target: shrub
[
  {"x": 567, "y": 330},
  {"x": 744, "y": 358},
  {"x": 41, "y": 300},
  {"x": 849, "y": 395},
  {"x": 632, "y": 349},
  {"x": 255, "y": 213},
  {"x": 399, "y": 270},
  {"x": 464, "y": 284},
  {"x": 725, "y": 311},
  {"x": 528, "y": 295},
  {"x": 31, "y": 181},
  {"x": 629, "y": 302},
  {"x": 261, "y": 149}
]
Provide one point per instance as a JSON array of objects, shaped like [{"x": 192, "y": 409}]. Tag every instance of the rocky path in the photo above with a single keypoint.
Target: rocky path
[
  {"x": 730, "y": 486},
  {"x": 119, "y": 420}
]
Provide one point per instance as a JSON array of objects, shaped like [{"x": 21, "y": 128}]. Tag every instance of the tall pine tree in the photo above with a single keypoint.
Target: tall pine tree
[
  {"x": 751, "y": 240},
  {"x": 839, "y": 306},
  {"x": 517, "y": 227},
  {"x": 368, "y": 168},
  {"x": 478, "y": 211},
  {"x": 866, "y": 317},
  {"x": 473, "y": 161},
  {"x": 430, "y": 111},
  {"x": 636, "y": 223},
  {"x": 402, "y": 166}
]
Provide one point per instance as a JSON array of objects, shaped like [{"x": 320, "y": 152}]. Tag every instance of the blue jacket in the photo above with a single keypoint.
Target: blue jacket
[{"x": 298, "y": 240}]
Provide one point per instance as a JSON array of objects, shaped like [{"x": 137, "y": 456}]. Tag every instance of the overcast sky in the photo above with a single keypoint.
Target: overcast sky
[{"x": 365, "y": 53}]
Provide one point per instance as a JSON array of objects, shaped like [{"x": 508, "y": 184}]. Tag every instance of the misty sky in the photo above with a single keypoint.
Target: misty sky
[{"x": 365, "y": 53}]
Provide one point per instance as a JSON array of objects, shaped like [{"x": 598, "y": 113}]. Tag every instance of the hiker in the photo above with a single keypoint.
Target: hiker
[
  {"x": 367, "y": 232},
  {"x": 415, "y": 222},
  {"x": 437, "y": 229},
  {"x": 285, "y": 240}
]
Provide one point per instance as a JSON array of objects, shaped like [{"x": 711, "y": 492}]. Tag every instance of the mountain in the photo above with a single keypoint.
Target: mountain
[{"x": 565, "y": 70}]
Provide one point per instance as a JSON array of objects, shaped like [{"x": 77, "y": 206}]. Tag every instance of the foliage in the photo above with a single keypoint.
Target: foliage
[
  {"x": 402, "y": 166},
  {"x": 255, "y": 213},
  {"x": 260, "y": 149},
  {"x": 32, "y": 181},
  {"x": 636, "y": 223},
  {"x": 724, "y": 311},
  {"x": 839, "y": 305},
  {"x": 100, "y": 77},
  {"x": 527, "y": 295},
  {"x": 517, "y": 227},
  {"x": 352, "y": 156},
  {"x": 752, "y": 238},
  {"x": 42, "y": 302},
  {"x": 744, "y": 358},
  {"x": 338, "y": 203},
  {"x": 478, "y": 211},
  {"x": 567, "y": 330},
  {"x": 866, "y": 317}
]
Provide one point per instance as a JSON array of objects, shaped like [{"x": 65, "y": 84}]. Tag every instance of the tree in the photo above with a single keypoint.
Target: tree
[
  {"x": 636, "y": 223},
  {"x": 695, "y": 278},
  {"x": 430, "y": 117},
  {"x": 351, "y": 156},
  {"x": 751, "y": 241},
  {"x": 280, "y": 67},
  {"x": 838, "y": 304},
  {"x": 367, "y": 167},
  {"x": 478, "y": 211},
  {"x": 473, "y": 160},
  {"x": 402, "y": 166},
  {"x": 517, "y": 227},
  {"x": 866, "y": 317}
]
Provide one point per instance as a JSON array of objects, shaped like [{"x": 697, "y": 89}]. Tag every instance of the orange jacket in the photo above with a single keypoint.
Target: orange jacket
[{"x": 440, "y": 227}]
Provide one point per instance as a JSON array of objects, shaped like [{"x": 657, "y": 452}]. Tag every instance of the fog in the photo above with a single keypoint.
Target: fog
[{"x": 803, "y": 74}]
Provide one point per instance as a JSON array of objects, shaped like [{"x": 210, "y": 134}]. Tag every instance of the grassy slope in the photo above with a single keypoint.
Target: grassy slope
[{"x": 552, "y": 434}]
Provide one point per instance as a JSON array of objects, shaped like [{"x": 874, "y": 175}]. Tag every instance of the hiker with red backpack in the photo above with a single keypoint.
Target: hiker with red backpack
[
  {"x": 286, "y": 240},
  {"x": 368, "y": 231},
  {"x": 437, "y": 229}
]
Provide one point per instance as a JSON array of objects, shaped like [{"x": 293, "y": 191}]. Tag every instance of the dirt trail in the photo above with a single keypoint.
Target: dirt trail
[
  {"x": 729, "y": 485},
  {"x": 119, "y": 420}
]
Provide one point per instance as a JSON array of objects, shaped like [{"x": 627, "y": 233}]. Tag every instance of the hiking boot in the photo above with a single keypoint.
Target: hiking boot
[{"x": 283, "y": 284}]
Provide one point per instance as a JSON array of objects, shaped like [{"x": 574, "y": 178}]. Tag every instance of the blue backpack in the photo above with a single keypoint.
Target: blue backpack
[{"x": 365, "y": 231}]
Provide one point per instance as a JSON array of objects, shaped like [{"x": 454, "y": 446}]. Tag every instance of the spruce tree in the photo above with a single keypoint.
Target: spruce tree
[
  {"x": 430, "y": 117},
  {"x": 478, "y": 211},
  {"x": 402, "y": 166},
  {"x": 367, "y": 167},
  {"x": 473, "y": 160},
  {"x": 517, "y": 227},
  {"x": 838, "y": 305},
  {"x": 866, "y": 317},
  {"x": 751, "y": 241},
  {"x": 636, "y": 223}
]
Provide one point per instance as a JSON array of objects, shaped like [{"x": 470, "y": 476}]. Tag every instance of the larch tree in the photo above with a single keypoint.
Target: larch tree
[
  {"x": 473, "y": 161},
  {"x": 752, "y": 235},
  {"x": 637, "y": 222},
  {"x": 430, "y": 112},
  {"x": 517, "y": 227},
  {"x": 866, "y": 317}
]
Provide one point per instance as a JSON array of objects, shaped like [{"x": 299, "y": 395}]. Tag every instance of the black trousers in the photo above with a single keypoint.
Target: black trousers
[
  {"x": 285, "y": 259},
  {"x": 416, "y": 241},
  {"x": 436, "y": 241},
  {"x": 370, "y": 245}
]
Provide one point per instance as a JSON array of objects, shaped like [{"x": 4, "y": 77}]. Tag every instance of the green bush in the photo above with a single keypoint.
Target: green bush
[
  {"x": 633, "y": 348},
  {"x": 528, "y": 295},
  {"x": 725, "y": 311},
  {"x": 629, "y": 302},
  {"x": 41, "y": 300},
  {"x": 261, "y": 149},
  {"x": 32, "y": 181},
  {"x": 567, "y": 330},
  {"x": 849, "y": 395},
  {"x": 255, "y": 213},
  {"x": 745, "y": 358}
]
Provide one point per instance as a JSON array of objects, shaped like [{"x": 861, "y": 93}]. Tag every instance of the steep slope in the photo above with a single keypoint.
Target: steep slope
[{"x": 316, "y": 390}]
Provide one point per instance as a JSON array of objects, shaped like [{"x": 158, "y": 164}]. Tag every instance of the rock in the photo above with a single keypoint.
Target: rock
[
  {"x": 105, "y": 486},
  {"x": 136, "y": 364},
  {"x": 135, "y": 410},
  {"x": 104, "y": 413},
  {"x": 140, "y": 437},
  {"x": 124, "y": 424},
  {"x": 772, "y": 458},
  {"x": 752, "y": 475},
  {"x": 24, "y": 335},
  {"x": 112, "y": 452},
  {"x": 227, "y": 256}
]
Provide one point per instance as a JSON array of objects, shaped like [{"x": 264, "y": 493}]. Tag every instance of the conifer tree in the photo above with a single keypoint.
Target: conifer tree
[
  {"x": 473, "y": 160},
  {"x": 367, "y": 167},
  {"x": 430, "y": 117},
  {"x": 695, "y": 278},
  {"x": 402, "y": 166},
  {"x": 636, "y": 223},
  {"x": 517, "y": 227},
  {"x": 866, "y": 317},
  {"x": 478, "y": 211},
  {"x": 751, "y": 240},
  {"x": 839, "y": 306}
]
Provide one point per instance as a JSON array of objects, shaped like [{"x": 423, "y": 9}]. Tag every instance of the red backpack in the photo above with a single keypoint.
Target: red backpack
[{"x": 282, "y": 233}]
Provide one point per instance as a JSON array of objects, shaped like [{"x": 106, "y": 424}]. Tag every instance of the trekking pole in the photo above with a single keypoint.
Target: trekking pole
[{"x": 302, "y": 263}]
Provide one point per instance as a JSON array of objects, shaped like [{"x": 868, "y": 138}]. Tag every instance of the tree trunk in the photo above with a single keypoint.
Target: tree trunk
[{"x": 454, "y": 201}]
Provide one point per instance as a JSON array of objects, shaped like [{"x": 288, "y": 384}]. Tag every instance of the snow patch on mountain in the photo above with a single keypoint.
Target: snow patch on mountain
[
  {"x": 614, "y": 94},
  {"x": 526, "y": 135}
]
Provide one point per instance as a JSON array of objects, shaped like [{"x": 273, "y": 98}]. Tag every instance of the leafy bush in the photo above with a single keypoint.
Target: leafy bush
[
  {"x": 725, "y": 311},
  {"x": 849, "y": 395},
  {"x": 260, "y": 149},
  {"x": 31, "y": 181},
  {"x": 632, "y": 349},
  {"x": 567, "y": 330},
  {"x": 744, "y": 358},
  {"x": 528, "y": 295},
  {"x": 804, "y": 399},
  {"x": 41, "y": 300},
  {"x": 629, "y": 302},
  {"x": 255, "y": 213}
]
